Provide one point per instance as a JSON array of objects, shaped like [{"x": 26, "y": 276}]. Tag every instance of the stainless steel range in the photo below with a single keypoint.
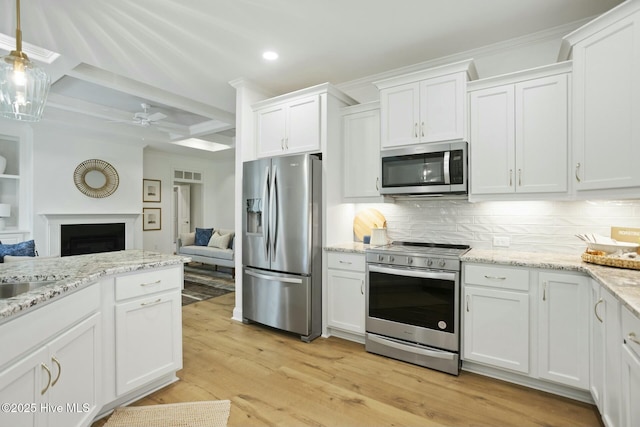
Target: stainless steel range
[{"x": 413, "y": 303}]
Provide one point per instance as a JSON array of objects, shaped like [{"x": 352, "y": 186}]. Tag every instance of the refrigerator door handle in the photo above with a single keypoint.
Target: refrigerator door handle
[
  {"x": 273, "y": 212},
  {"x": 265, "y": 210},
  {"x": 273, "y": 278}
]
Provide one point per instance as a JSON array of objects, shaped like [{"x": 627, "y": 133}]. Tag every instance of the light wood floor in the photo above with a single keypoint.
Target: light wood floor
[{"x": 274, "y": 379}]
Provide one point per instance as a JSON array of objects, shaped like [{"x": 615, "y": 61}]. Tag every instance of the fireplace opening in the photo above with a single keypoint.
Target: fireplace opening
[{"x": 79, "y": 239}]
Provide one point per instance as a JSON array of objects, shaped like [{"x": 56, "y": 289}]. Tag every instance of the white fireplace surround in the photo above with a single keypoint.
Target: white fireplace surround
[{"x": 55, "y": 221}]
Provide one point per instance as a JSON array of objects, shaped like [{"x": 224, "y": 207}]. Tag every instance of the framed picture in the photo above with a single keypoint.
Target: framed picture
[
  {"x": 152, "y": 219},
  {"x": 151, "y": 190}
]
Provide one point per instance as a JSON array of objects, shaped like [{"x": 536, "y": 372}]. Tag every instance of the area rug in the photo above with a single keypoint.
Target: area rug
[
  {"x": 202, "y": 282},
  {"x": 213, "y": 413}
]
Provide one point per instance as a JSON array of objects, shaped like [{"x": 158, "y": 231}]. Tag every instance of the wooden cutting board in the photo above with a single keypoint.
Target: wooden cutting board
[{"x": 365, "y": 220}]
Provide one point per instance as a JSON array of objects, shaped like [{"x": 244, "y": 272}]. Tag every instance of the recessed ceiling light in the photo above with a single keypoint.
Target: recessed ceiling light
[{"x": 270, "y": 55}]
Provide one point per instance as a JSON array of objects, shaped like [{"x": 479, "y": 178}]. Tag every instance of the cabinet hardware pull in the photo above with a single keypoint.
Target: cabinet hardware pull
[
  {"x": 467, "y": 301},
  {"x": 422, "y": 129},
  {"x": 57, "y": 362},
  {"x": 519, "y": 177},
  {"x": 377, "y": 187},
  {"x": 345, "y": 262},
  {"x": 510, "y": 177},
  {"x": 415, "y": 129},
  {"x": 282, "y": 144},
  {"x": 286, "y": 143},
  {"x": 151, "y": 283},
  {"x": 595, "y": 310},
  {"x": 362, "y": 287},
  {"x": 544, "y": 290},
  {"x": 152, "y": 302},
  {"x": 46, "y": 368},
  {"x": 633, "y": 337},
  {"x": 577, "y": 169},
  {"x": 495, "y": 277}
]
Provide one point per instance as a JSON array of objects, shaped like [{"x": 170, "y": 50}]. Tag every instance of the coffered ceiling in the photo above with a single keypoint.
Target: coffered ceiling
[{"x": 178, "y": 56}]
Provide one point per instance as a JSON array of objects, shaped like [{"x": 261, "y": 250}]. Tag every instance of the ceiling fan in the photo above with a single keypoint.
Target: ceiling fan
[{"x": 144, "y": 119}]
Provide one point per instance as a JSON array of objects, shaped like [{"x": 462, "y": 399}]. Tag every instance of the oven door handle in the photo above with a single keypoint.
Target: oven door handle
[
  {"x": 413, "y": 273},
  {"x": 411, "y": 349}
]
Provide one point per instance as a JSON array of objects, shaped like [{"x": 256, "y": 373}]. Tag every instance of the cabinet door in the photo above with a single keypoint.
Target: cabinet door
[
  {"x": 361, "y": 139},
  {"x": 563, "y": 341},
  {"x": 630, "y": 388},
  {"x": 606, "y": 107},
  {"x": 271, "y": 131},
  {"x": 399, "y": 115},
  {"x": 596, "y": 351},
  {"x": 22, "y": 384},
  {"x": 492, "y": 140},
  {"x": 496, "y": 328},
  {"x": 303, "y": 125},
  {"x": 346, "y": 300},
  {"x": 541, "y": 135},
  {"x": 74, "y": 358},
  {"x": 148, "y": 339},
  {"x": 442, "y": 108},
  {"x": 612, "y": 399}
]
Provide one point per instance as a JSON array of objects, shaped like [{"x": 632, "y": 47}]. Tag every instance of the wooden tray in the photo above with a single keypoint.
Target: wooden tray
[{"x": 611, "y": 262}]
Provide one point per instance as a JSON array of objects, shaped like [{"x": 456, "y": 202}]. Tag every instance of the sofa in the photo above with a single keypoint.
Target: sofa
[{"x": 209, "y": 246}]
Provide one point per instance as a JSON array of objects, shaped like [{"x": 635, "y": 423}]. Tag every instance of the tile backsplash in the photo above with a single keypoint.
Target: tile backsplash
[{"x": 548, "y": 226}]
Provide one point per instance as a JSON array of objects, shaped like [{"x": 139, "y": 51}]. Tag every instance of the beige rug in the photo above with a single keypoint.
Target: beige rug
[{"x": 192, "y": 414}]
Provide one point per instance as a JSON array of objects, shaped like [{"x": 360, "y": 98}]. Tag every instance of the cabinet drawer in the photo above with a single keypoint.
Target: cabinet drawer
[
  {"x": 140, "y": 284},
  {"x": 346, "y": 261},
  {"x": 497, "y": 277},
  {"x": 631, "y": 331}
]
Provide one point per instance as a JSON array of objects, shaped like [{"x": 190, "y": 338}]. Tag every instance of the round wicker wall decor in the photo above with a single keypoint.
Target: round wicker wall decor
[{"x": 96, "y": 178}]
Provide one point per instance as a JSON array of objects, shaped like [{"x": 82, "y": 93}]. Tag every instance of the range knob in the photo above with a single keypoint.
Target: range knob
[
  {"x": 442, "y": 263},
  {"x": 380, "y": 257},
  {"x": 409, "y": 260},
  {"x": 429, "y": 262},
  {"x": 391, "y": 259}
]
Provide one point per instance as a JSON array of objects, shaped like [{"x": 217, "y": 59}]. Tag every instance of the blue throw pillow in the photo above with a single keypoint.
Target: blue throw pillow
[
  {"x": 27, "y": 248},
  {"x": 203, "y": 235}
]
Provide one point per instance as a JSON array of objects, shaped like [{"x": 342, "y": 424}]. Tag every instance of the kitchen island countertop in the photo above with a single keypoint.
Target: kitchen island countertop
[{"x": 72, "y": 273}]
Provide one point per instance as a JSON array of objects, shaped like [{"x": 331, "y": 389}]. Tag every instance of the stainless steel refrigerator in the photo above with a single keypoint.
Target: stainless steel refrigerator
[{"x": 282, "y": 244}]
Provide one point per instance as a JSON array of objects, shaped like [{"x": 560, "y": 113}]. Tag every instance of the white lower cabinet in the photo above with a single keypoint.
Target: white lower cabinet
[
  {"x": 496, "y": 317},
  {"x": 630, "y": 369},
  {"x": 563, "y": 328},
  {"x": 346, "y": 293},
  {"x": 56, "y": 385},
  {"x": 148, "y": 327}
]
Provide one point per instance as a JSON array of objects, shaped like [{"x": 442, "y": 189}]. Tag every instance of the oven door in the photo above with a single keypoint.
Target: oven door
[{"x": 416, "y": 305}]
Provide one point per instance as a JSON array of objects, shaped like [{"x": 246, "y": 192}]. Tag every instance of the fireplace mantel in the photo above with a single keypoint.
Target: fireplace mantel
[{"x": 55, "y": 220}]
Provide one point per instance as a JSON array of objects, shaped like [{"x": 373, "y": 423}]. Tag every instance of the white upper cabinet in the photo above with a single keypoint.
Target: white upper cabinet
[
  {"x": 295, "y": 122},
  {"x": 361, "y": 142},
  {"x": 606, "y": 101},
  {"x": 519, "y": 127},
  {"x": 425, "y": 106}
]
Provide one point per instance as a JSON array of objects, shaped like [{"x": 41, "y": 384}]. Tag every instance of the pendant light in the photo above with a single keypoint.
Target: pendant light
[{"x": 23, "y": 85}]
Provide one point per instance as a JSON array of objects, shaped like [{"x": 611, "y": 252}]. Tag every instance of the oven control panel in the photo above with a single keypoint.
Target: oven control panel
[{"x": 430, "y": 262}]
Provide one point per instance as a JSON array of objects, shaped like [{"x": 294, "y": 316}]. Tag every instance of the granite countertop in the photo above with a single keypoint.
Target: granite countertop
[
  {"x": 71, "y": 273},
  {"x": 623, "y": 283}
]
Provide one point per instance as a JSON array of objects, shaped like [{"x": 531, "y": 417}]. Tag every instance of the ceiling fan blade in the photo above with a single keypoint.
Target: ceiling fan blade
[{"x": 156, "y": 116}]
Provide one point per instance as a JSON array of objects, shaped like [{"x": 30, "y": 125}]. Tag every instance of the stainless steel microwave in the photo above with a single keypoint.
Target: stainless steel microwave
[{"x": 426, "y": 169}]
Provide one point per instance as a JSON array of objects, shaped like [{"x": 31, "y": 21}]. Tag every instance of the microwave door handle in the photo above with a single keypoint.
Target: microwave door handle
[
  {"x": 447, "y": 175},
  {"x": 414, "y": 273}
]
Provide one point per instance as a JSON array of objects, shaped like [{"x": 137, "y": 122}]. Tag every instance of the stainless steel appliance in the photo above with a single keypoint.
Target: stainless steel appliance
[
  {"x": 413, "y": 303},
  {"x": 427, "y": 169},
  {"x": 281, "y": 244}
]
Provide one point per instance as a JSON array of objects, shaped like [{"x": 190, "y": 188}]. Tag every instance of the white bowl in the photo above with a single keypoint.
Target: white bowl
[{"x": 614, "y": 247}]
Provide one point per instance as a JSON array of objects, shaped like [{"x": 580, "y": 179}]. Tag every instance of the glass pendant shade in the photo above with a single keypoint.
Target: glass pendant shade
[{"x": 23, "y": 85}]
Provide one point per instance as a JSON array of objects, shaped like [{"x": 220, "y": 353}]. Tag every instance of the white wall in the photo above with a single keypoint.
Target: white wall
[
  {"x": 218, "y": 190},
  {"x": 57, "y": 151}
]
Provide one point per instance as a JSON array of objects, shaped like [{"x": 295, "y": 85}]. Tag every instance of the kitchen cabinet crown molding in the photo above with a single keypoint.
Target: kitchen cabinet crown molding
[
  {"x": 359, "y": 108},
  {"x": 598, "y": 24},
  {"x": 522, "y": 75},
  {"x": 467, "y": 66},
  {"x": 313, "y": 90}
]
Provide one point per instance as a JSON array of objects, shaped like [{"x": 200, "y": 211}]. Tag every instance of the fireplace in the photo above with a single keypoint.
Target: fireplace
[{"x": 79, "y": 239}]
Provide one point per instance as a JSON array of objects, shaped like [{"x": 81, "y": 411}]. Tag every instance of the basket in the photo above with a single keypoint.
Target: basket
[{"x": 611, "y": 262}]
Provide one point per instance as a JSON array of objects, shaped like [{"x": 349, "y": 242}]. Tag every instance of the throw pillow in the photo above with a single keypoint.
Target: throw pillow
[
  {"x": 27, "y": 248},
  {"x": 187, "y": 239},
  {"x": 203, "y": 235},
  {"x": 220, "y": 240}
]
